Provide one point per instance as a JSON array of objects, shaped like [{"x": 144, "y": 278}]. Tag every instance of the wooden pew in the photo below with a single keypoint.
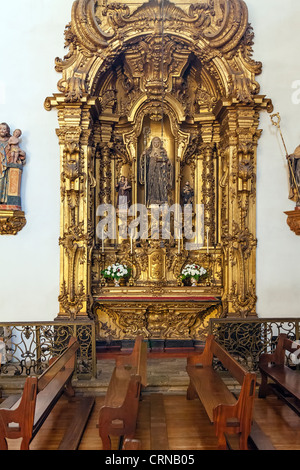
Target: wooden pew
[
  {"x": 228, "y": 414},
  {"x": 22, "y": 418},
  {"x": 285, "y": 382},
  {"x": 118, "y": 415}
]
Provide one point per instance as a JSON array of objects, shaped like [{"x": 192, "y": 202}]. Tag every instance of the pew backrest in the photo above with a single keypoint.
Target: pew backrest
[
  {"x": 278, "y": 357},
  {"x": 137, "y": 360}
]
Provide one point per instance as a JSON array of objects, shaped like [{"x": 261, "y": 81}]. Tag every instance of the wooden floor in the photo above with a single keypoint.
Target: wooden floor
[{"x": 187, "y": 426}]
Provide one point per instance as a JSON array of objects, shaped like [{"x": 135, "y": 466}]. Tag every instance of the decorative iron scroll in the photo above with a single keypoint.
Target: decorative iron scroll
[
  {"x": 246, "y": 340},
  {"x": 30, "y": 346}
]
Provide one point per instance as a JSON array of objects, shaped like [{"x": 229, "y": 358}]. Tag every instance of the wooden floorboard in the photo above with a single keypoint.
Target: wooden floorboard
[
  {"x": 158, "y": 424},
  {"x": 186, "y": 425}
]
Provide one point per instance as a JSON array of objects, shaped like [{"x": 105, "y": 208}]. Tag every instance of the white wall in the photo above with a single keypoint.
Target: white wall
[
  {"x": 31, "y": 35},
  {"x": 277, "y": 40}
]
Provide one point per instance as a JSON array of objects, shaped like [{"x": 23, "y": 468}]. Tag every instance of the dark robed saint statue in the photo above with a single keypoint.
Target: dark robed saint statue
[{"x": 156, "y": 173}]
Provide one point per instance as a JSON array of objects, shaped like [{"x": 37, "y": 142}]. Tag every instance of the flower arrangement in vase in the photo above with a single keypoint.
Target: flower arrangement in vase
[
  {"x": 194, "y": 273},
  {"x": 116, "y": 272}
]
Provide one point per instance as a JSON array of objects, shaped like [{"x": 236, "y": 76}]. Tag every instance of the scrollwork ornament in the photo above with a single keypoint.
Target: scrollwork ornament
[
  {"x": 220, "y": 31},
  {"x": 72, "y": 304},
  {"x": 11, "y": 224}
]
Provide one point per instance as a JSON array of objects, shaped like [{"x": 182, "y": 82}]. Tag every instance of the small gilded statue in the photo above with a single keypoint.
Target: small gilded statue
[
  {"x": 187, "y": 194},
  {"x": 12, "y": 160},
  {"x": 123, "y": 189}
]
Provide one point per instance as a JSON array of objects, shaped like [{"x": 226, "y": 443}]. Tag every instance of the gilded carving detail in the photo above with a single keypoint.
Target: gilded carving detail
[
  {"x": 11, "y": 222},
  {"x": 170, "y": 321}
]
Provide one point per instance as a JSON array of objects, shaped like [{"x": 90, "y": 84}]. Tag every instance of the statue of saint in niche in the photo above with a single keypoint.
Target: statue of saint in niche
[
  {"x": 123, "y": 189},
  {"x": 156, "y": 173}
]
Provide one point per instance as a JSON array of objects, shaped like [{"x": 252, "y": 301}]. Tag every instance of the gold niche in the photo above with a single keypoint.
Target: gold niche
[{"x": 179, "y": 76}]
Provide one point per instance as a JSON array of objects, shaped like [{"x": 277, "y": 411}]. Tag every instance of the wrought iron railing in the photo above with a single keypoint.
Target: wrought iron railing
[
  {"x": 247, "y": 339},
  {"x": 27, "y": 347}
]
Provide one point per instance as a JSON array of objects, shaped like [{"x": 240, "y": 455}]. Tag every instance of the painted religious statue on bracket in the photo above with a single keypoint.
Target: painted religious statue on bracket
[
  {"x": 294, "y": 174},
  {"x": 293, "y": 219},
  {"x": 12, "y": 161},
  {"x": 293, "y": 164}
]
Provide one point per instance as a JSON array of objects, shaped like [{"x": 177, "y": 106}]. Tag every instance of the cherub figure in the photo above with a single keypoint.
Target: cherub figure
[{"x": 15, "y": 154}]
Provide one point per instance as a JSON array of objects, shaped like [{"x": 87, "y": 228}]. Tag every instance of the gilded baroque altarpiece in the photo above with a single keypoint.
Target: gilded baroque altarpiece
[{"x": 182, "y": 72}]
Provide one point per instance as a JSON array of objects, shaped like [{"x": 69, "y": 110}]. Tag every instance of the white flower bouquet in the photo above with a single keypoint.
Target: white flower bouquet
[
  {"x": 116, "y": 271},
  {"x": 194, "y": 272}
]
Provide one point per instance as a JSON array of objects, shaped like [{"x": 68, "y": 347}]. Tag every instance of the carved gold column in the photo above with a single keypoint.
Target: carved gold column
[
  {"x": 77, "y": 154},
  {"x": 208, "y": 193},
  {"x": 239, "y": 137},
  {"x": 106, "y": 174}
]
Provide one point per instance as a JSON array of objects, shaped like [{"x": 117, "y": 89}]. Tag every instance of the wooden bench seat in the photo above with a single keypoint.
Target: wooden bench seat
[
  {"x": 210, "y": 389},
  {"x": 22, "y": 418},
  {"x": 74, "y": 433},
  {"x": 118, "y": 415},
  {"x": 273, "y": 366},
  {"x": 228, "y": 414}
]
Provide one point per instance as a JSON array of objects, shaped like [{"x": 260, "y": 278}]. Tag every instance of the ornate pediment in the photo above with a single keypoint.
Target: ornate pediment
[
  {"x": 216, "y": 32},
  {"x": 158, "y": 16}
]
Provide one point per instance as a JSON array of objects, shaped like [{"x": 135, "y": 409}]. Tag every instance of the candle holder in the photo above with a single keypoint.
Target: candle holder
[
  {"x": 208, "y": 262},
  {"x": 131, "y": 279},
  {"x": 102, "y": 260}
]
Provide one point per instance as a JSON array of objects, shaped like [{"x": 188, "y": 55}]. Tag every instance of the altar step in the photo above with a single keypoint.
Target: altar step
[
  {"x": 174, "y": 348},
  {"x": 166, "y": 369},
  {"x": 165, "y": 374},
  {"x": 152, "y": 354}
]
